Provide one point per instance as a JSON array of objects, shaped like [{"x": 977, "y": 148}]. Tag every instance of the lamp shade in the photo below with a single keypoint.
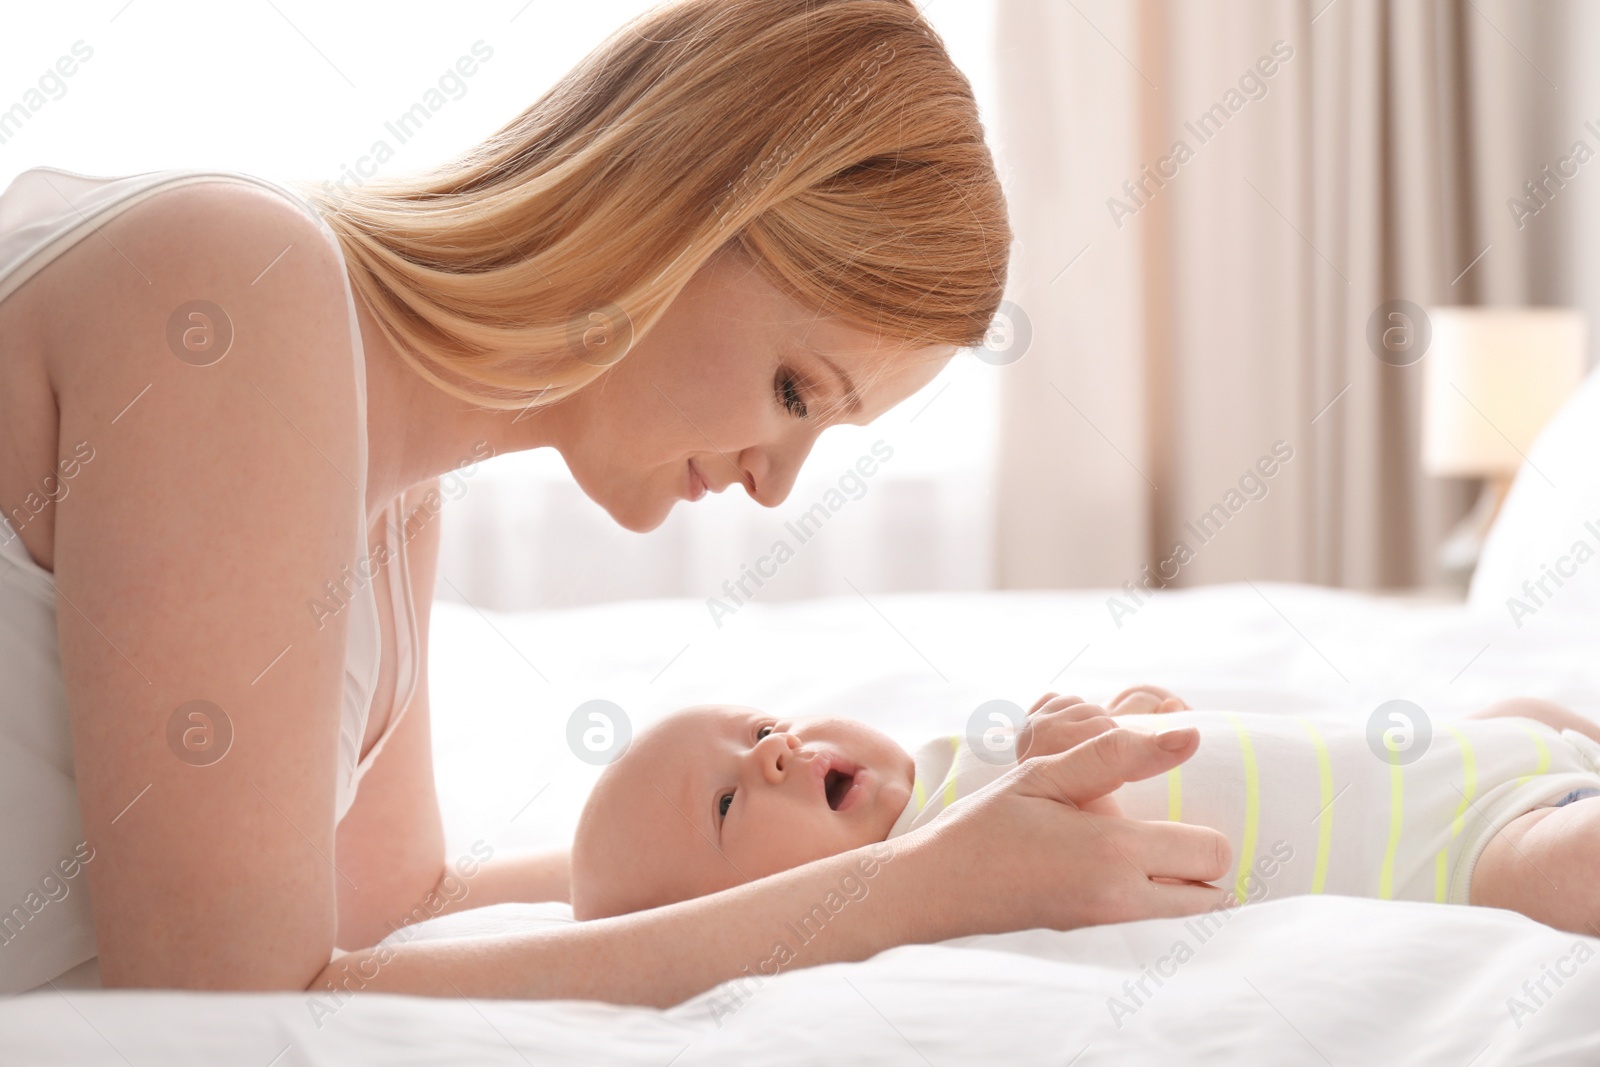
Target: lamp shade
[{"x": 1492, "y": 378}]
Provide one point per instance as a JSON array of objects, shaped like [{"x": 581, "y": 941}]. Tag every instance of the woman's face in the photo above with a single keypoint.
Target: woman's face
[{"x": 731, "y": 387}]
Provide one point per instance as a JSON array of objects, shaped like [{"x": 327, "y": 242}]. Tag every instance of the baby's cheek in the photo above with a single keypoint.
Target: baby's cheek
[{"x": 799, "y": 838}]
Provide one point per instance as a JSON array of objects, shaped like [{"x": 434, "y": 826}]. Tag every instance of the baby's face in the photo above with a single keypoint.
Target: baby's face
[{"x": 714, "y": 796}]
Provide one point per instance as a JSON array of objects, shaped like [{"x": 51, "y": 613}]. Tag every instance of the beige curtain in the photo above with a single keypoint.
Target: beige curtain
[{"x": 1212, "y": 199}]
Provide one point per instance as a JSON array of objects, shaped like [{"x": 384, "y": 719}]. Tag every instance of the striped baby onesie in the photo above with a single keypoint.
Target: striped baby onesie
[
  {"x": 1309, "y": 807},
  {"x": 947, "y": 769}
]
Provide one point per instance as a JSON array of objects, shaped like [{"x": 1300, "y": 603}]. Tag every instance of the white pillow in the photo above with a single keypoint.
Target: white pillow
[{"x": 1541, "y": 558}]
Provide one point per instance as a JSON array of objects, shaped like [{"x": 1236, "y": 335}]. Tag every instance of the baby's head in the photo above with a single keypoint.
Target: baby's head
[{"x": 715, "y": 795}]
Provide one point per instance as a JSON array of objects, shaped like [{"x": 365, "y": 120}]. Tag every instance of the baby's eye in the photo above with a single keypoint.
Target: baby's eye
[
  {"x": 723, "y": 804},
  {"x": 763, "y": 732}
]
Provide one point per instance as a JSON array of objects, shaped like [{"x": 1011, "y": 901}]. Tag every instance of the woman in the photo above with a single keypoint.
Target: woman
[{"x": 736, "y": 223}]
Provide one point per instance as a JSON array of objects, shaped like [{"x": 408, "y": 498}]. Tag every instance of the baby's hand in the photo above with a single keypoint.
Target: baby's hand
[
  {"x": 1056, "y": 724},
  {"x": 1145, "y": 700}
]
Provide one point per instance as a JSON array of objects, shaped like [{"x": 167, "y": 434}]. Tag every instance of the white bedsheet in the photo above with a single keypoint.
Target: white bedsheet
[{"x": 1307, "y": 980}]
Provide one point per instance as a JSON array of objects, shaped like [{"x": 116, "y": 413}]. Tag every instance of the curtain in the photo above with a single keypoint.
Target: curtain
[
  {"x": 1220, "y": 207},
  {"x": 518, "y": 543}
]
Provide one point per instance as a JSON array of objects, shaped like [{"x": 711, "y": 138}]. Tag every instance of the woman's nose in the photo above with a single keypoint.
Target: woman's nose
[
  {"x": 775, "y": 757},
  {"x": 774, "y": 468}
]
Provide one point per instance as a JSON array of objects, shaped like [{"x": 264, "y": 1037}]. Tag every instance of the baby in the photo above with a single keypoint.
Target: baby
[{"x": 714, "y": 796}]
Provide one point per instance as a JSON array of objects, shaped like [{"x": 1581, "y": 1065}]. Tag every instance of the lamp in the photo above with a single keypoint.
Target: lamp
[{"x": 1493, "y": 378}]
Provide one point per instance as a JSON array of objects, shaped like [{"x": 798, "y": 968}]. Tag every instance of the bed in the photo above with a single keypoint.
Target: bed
[
  {"x": 1300, "y": 980},
  {"x": 1309, "y": 980}
]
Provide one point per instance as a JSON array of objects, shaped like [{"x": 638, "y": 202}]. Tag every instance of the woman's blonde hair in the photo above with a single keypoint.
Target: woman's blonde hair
[{"x": 833, "y": 141}]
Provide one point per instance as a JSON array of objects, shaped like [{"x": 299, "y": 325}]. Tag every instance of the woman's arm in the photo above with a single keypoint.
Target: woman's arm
[
  {"x": 188, "y": 556},
  {"x": 391, "y": 842},
  {"x": 1015, "y": 856}
]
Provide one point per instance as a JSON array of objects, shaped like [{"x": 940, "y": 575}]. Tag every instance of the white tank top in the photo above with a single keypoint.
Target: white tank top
[{"x": 45, "y": 923}]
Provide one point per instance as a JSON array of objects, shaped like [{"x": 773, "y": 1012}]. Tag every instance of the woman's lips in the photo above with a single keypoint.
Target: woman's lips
[{"x": 697, "y": 484}]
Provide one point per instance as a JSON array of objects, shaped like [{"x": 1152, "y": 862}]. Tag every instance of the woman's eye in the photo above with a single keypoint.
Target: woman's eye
[
  {"x": 788, "y": 388},
  {"x": 763, "y": 732},
  {"x": 724, "y": 804}
]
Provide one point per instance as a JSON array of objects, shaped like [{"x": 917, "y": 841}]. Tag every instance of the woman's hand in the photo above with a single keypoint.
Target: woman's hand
[{"x": 1038, "y": 847}]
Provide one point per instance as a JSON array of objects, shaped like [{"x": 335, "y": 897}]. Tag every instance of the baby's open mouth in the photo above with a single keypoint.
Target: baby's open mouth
[{"x": 836, "y": 784}]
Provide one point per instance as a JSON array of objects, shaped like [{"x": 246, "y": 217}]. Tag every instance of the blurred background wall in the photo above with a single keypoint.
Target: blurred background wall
[
  {"x": 1171, "y": 322},
  {"x": 1214, "y": 200}
]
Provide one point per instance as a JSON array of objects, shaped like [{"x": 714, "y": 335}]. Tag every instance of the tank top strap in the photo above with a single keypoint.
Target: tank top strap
[{"x": 407, "y": 651}]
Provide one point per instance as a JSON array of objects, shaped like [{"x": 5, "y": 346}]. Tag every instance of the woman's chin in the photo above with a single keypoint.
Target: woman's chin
[
  {"x": 634, "y": 512},
  {"x": 638, "y": 516}
]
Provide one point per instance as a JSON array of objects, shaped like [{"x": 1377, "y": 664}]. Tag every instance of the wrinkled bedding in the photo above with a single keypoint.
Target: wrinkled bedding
[{"x": 1301, "y": 980}]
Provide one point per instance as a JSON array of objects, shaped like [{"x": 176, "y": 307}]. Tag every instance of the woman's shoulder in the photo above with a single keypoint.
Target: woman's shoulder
[
  {"x": 225, "y": 196},
  {"x": 203, "y": 282},
  {"x": 210, "y": 230},
  {"x": 210, "y": 343}
]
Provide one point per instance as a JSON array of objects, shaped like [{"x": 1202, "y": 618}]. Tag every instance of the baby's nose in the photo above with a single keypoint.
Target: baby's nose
[{"x": 778, "y": 755}]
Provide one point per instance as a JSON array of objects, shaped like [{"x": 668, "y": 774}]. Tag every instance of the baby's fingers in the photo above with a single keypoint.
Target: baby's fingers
[
  {"x": 1079, "y": 709},
  {"x": 1137, "y": 702},
  {"x": 1047, "y": 735}
]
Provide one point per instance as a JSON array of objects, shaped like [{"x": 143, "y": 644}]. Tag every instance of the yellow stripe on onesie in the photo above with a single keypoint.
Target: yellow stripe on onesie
[
  {"x": 1310, "y": 807},
  {"x": 1252, "y": 811},
  {"x": 947, "y": 769},
  {"x": 1397, "y": 798},
  {"x": 1319, "y": 875},
  {"x": 949, "y": 794},
  {"x": 1468, "y": 789},
  {"x": 1543, "y": 750}
]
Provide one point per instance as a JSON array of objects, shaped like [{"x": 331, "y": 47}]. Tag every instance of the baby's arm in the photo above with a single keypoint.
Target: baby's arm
[{"x": 1552, "y": 715}]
